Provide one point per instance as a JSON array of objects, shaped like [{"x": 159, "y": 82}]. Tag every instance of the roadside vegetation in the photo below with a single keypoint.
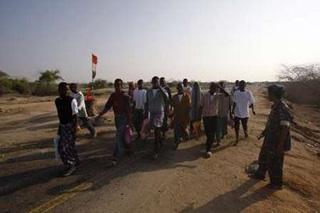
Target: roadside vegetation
[
  {"x": 302, "y": 83},
  {"x": 45, "y": 85}
]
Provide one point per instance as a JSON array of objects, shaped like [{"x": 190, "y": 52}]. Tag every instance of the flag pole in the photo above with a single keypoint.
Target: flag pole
[
  {"x": 91, "y": 78},
  {"x": 94, "y": 61}
]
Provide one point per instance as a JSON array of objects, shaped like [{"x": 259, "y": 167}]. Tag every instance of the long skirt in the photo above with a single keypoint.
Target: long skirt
[{"x": 66, "y": 147}]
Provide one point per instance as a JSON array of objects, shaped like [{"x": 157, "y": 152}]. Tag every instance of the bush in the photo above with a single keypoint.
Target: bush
[
  {"x": 8, "y": 85},
  {"x": 5, "y": 85},
  {"x": 21, "y": 86},
  {"x": 307, "y": 92},
  {"x": 3, "y": 74},
  {"x": 45, "y": 86},
  {"x": 302, "y": 83},
  {"x": 43, "y": 89},
  {"x": 99, "y": 84}
]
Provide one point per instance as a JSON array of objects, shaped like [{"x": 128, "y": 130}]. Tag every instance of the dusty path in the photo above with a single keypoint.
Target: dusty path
[{"x": 180, "y": 181}]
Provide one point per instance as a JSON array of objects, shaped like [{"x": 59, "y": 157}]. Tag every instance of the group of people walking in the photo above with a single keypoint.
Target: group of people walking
[{"x": 158, "y": 109}]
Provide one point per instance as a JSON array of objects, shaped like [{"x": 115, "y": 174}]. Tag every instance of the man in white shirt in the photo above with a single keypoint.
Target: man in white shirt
[
  {"x": 243, "y": 101},
  {"x": 139, "y": 101},
  {"x": 83, "y": 116},
  {"x": 235, "y": 87},
  {"x": 186, "y": 87},
  {"x": 154, "y": 110}
]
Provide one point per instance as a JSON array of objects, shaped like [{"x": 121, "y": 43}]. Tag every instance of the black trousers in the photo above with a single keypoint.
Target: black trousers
[
  {"x": 157, "y": 140},
  {"x": 138, "y": 116},
  {"x": 271, "y": 162},
  {"x": 165, "y": 125},
  {"x": 88, "y": 125},
  {"x": 244, "y": 122},
  {"x": 210, "y": 128}
]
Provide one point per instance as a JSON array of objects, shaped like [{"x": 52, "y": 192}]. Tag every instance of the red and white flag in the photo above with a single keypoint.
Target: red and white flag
[{"x": 94, "y": 59}]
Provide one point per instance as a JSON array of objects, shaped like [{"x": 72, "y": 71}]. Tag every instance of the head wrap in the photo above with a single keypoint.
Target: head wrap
[{"x": 276, "y": 90}]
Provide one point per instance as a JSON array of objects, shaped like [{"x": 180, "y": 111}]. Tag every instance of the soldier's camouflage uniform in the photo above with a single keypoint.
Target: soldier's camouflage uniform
[{"x": 269, "y": 159}]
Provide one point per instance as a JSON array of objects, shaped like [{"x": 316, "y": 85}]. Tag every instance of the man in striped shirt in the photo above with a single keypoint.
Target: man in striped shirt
[{"x": 209, "y": 104}]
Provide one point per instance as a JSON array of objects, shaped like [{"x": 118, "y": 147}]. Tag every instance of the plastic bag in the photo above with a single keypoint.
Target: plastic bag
[
  {"x": 252, "y": 168},
  {"x": 196, "y": 125},
  {"x": 231, "y": 122},
  {"x": 145, "y": 129},
  {"x": 128, "y": 135}
]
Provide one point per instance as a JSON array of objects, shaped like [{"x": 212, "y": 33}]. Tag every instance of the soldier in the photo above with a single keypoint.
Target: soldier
[{"x": 277, "y": 139}]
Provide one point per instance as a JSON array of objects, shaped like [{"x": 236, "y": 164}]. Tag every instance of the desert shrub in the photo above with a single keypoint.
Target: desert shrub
[
  {"x": 8, "y": 85},
  {"x": 307, "y": 92},
  {"x": 21, "y": 86},
  {"x": 43, "y": 89},
  {"x": 99, "y": 84},
  {"x": 172, "y": 84},
  {"x": 45, "y": 85},
  {"x": 5, "y": 85},
  {"x": 302, "y": 83},
  {"x": 3, "y": 74}
]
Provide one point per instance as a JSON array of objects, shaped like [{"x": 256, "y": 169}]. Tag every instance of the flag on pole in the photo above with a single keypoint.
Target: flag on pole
[{"x": 94, "y": 65}]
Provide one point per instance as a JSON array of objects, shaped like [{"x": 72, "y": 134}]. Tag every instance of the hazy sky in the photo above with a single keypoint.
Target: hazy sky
[{"x": 201, "y": 39}]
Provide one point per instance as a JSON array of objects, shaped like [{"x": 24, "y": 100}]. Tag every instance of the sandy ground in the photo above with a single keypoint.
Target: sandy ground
[{"x": 180, "y": 181}]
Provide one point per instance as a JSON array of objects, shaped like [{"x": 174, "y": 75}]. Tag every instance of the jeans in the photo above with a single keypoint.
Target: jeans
[
  {"x": 121, "y": 123},
  {"x": 179, "y": 132},
  {"x": 222, "y": 127},
  {"x": 210, "y": 128}
]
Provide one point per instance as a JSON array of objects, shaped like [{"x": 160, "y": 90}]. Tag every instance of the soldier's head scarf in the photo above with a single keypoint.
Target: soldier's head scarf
[{"x": 276, "y": 90}]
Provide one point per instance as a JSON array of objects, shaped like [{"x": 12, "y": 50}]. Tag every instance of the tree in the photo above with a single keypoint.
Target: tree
[
  {"x": 301, "y": 73},
  {"x": 302, "y": 83},
  {"x": 50, "y": 76}
]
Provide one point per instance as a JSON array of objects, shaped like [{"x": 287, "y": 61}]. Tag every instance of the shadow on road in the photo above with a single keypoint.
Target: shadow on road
[
  {"x": 233, "y": 201},
  {"x": 32, "y": 170}
]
